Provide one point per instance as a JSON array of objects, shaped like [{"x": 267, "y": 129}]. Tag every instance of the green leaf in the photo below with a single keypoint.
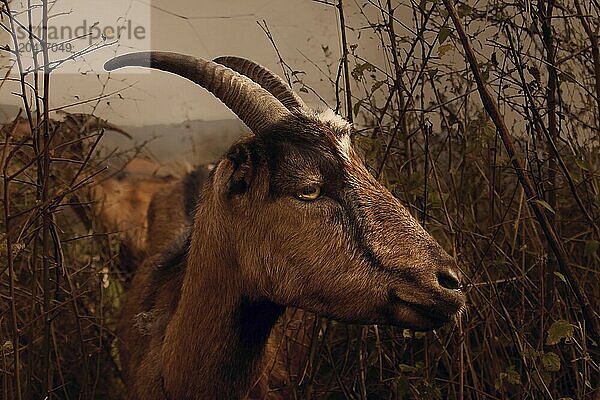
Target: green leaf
[
  {"x": 545, "y": 205},
  {"x": 445, "y": 48},
  {"x": 513, "y": 377},
  {"x": 560, "y": 276},
  {"x": 551, "y": 362},
  {"x": 509, "y": 376},
  {"x": 406, "y": 368},
  {"x": 356, "y": 107},
  {"x": 420, "y": 335},
  {"x": 444, "y": 33},
  {"x": 359, "y": 70},
  {"x": 530, "y": 353},
  {"x": 376, "y": 85},
  {"x": 560, "y": 329},
  {"x": 7, "y": 346},
  {"x": 485, "y": 72},
  {"x": 489, "y": 129},
  {"x": 463, "y": 10},
  {"x": 583, "y": 164}
]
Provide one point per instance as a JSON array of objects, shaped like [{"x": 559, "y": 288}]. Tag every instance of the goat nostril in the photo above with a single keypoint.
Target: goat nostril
[{"x": 448, "y": 280}]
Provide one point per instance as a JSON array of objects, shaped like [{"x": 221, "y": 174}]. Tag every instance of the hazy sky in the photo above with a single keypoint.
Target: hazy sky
[{"x": 301, "y": 28}]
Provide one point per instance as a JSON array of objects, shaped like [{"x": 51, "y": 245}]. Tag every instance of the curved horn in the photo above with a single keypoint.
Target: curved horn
[
  {"x": 255, "y": 106},
  {"x": 265, "y": 78}
]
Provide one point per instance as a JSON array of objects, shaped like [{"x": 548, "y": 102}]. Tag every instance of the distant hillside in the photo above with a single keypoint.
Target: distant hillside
[{"x": 190, "y": 141}]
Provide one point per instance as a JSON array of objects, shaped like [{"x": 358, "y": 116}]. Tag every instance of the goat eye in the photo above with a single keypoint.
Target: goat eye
[{"x": 309, "y": 193}]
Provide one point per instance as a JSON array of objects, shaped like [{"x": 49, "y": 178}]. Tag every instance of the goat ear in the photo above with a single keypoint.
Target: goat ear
[{"x": 242, "y": 162}]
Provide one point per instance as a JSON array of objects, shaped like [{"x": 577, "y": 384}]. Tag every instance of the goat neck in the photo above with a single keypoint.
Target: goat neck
[{"x": 217, "y": 335}]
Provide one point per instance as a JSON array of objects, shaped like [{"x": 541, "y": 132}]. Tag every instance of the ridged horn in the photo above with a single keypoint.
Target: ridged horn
[
  {"x": 255, "y": 106},
  {"x": 265, "y": 78}
]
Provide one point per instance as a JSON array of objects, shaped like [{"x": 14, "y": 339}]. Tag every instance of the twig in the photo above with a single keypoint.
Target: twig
[
  {"x": 349, "y": 115},
  {"x": 427, "y": 128},
  {"x": 284, "y": 65},
  {"x": 46, "y": 212},
  {"x": 592, "y": 322},
  {"x": 397, "y": 83},
  {"x": 11, "y": 271},
  {"x": 593, "y": 37}
]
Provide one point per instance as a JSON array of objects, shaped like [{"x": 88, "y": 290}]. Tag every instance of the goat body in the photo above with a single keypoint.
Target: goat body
[{"x": 289, "y": 217}]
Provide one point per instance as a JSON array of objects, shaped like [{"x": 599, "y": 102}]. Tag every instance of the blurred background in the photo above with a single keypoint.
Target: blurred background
[{"x": 176, "y": 114}]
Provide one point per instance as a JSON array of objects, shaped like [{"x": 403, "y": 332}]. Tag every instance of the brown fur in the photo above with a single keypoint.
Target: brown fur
[
  {"x": 121, "y": 203},
  {"x": 170, "y": 213},
  {"x": 70, "y": 143},
  {"x": 200, "y": 312}
]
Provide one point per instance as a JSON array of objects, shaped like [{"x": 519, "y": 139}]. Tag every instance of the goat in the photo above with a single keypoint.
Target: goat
[
  {"x": 289, "y": 217},
  {"x": 121, "y": 199},
  {"x": 121, "y": 203},
  {"x": 170, "y": 212},
  {"x": 69, "y": 145}
]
